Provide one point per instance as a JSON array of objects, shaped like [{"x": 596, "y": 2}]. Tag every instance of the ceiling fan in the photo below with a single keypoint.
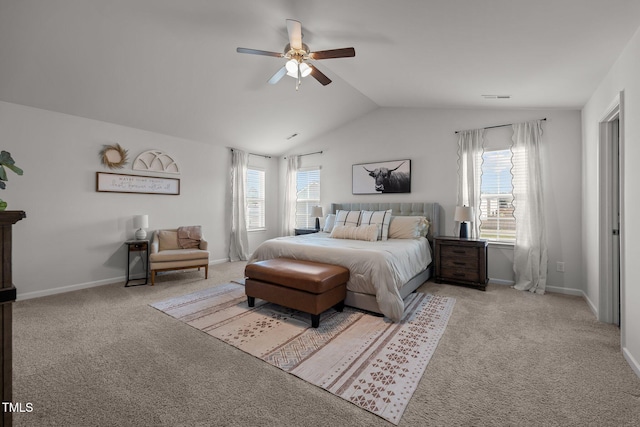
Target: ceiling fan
[{"x": 298, "y": 57}]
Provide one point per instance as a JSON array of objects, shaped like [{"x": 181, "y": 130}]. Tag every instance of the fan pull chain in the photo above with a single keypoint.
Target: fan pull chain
[{"x": 299, "y": 82}]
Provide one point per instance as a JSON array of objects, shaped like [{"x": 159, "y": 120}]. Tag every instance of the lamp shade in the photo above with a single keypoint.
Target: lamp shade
[
  {"x": 292, "y": 67},
  {"x": 316, "y": 211},
  {"x": 463, "y": 214},
  {"x": 305, "y": 70},
  {"x": 141, "y": 221}
]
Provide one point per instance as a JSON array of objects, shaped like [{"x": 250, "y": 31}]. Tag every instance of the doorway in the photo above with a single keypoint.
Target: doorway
[
  {"x": 611, "y": 304},
  {"x": 615, "y": 220}
]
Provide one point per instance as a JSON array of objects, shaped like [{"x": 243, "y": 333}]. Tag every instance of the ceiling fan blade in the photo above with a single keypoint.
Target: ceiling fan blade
[
  {"x": 278, "y": 75},
  {"x": 259, "y": 52},
  {"x": 319, "y": 76},
  {"x": 346, "y": 52},
  {"x": 294, "y": 28}
]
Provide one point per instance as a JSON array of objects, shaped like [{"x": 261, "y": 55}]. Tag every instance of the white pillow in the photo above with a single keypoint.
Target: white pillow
[
  {"x": 348, "y": 218},
  {"x": 328, "y": 223},
  {"x": 408, "y": 227},
  {"x": 368, "y": 233},
  {"x": 381, "y": 218}
]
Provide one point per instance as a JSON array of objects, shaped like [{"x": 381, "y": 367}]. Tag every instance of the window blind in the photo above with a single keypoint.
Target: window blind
[
  {"x": 497, "y": 222},
  {"x": 308, "y": 196},
  {"x": 255, "y": 199}
]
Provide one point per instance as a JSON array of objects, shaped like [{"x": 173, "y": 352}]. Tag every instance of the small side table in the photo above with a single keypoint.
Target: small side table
[
  {"x": 462, "y": 261},
  {"x": 142, "y": 247},
  {"x": 300, "y": 231}
]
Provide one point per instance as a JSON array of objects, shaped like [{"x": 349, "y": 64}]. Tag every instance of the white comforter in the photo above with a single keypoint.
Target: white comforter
[{"x": 378, "y": 268}]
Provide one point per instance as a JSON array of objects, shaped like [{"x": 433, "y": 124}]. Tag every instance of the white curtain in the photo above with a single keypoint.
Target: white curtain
[
  {"x": 530, "y": 251},
  {"x": 290, "y": 196},
  {"x": 470, "y": 150},
  {"x": 239, "y": 245}
]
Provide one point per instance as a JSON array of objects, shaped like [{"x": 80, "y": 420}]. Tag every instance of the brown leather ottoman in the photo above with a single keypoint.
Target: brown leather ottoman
[{"x": 307, "y": 286}]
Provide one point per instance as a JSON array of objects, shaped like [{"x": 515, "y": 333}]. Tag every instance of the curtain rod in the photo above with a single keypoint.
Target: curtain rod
[
  {"x": 308, "y": 154},
  {"x": 499, "y": 126},
  {"x": 253, "y": 154}
]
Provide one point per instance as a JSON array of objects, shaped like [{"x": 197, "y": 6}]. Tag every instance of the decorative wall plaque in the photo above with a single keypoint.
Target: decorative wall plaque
[
  {"x": 122, "y": 183},
  {"x": 155, "y": 161}
]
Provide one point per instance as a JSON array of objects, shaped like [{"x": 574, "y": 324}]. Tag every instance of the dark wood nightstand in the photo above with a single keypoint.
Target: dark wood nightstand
[
  {"x": 462, "y": 261},
  {"x": 300, "y": 231}
]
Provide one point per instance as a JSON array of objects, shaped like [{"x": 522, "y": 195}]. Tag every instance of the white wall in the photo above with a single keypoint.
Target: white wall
[
  {"x": 426, "y": 136},
  {"x": 79, "y": 232},
  {"x": 622, "y": 77},
  {"x": 73, "y": 236}
]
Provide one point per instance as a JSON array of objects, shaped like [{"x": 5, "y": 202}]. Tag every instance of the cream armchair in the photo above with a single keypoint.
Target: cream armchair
[{"x": 167, "y": 254}]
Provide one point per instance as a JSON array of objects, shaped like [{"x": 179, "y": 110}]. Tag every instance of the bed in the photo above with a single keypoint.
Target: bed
[{"x": 383, "y": 273}]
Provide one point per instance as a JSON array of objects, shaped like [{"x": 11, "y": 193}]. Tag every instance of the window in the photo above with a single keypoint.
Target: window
[
  {"x": 308, "y": 196},
  {"x": 255, "y": 199},
  {"x": 497, "y": 222}
]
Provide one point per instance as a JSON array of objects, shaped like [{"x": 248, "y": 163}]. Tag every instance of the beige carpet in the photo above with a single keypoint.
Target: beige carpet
[
  {"x": 367, "y": 360},
  {"x": 104, "y": 357}
]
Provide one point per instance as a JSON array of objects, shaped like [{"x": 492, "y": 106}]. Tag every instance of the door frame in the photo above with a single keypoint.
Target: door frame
[{"x": 605, "y": 198}]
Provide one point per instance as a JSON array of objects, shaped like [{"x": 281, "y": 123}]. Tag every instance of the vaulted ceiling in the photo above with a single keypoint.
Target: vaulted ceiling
[{"x": 170, "y": 66}]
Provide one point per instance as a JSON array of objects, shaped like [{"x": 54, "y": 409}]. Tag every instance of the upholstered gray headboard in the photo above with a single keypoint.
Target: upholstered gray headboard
[{"x": 429, "y": 210}]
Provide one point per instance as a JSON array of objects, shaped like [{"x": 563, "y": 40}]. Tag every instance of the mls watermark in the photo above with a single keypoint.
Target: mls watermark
[{"x": 17, "y": 407}]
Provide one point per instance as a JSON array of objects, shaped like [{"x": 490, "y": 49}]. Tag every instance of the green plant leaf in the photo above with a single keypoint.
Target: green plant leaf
[
  {"x": 6, "y": 159},
  {"x": 14, "y": 168}
]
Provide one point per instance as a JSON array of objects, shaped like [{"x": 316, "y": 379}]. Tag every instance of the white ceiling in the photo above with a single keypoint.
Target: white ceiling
[{"x": 170, "y": 66}]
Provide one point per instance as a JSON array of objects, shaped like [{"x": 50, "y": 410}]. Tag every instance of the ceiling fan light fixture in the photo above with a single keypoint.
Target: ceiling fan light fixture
[
  {"x": 297, "y": 54},
  {"x": 305, "y": 70},
  {"x": 292, "y": 67}
]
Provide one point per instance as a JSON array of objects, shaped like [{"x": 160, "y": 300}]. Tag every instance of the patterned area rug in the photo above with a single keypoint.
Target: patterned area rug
[{"x": 364, "y": 359}]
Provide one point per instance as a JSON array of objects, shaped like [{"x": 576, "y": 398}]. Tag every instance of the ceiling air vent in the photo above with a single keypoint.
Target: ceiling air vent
[{"x": 496, "y": 96}]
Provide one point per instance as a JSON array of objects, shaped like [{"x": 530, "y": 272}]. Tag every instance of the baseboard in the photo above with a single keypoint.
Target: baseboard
[
  {"x": 578, "y": 293},
  {"x": 591, "y": 305},
  {"x": 501, "y": 282},
  {"x": 632, "y": 361},
  {"x": 77, "y": 287},
  {"x": 70, "y": 288},
  {"x": 565, "y": 291}
]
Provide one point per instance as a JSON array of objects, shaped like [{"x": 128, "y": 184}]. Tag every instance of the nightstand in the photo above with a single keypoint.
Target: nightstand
[
  {"x": 141, "y": 247},
  {"x": 300, "y": 231},
  {"x": 461, "y": 261}
]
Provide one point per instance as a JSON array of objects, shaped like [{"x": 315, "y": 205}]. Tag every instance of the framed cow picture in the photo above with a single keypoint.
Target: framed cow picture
[{"x": 392, "y": 176}]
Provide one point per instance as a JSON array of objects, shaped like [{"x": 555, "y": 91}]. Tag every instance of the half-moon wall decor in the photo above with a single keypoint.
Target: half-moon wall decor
[{"x": 156, "y": 161}]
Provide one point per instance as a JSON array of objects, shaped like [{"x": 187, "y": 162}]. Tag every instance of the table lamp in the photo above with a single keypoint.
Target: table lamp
[
  {"x": 316, "y": 212},
  {"x": 463, "y": 215},
  {"x": 141, "y": 222}
]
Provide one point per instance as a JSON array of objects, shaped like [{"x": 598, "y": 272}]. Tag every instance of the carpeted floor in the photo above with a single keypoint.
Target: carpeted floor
[
  {"x": 104, "y": 357},
  {"x": 365, "y": 359}
]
